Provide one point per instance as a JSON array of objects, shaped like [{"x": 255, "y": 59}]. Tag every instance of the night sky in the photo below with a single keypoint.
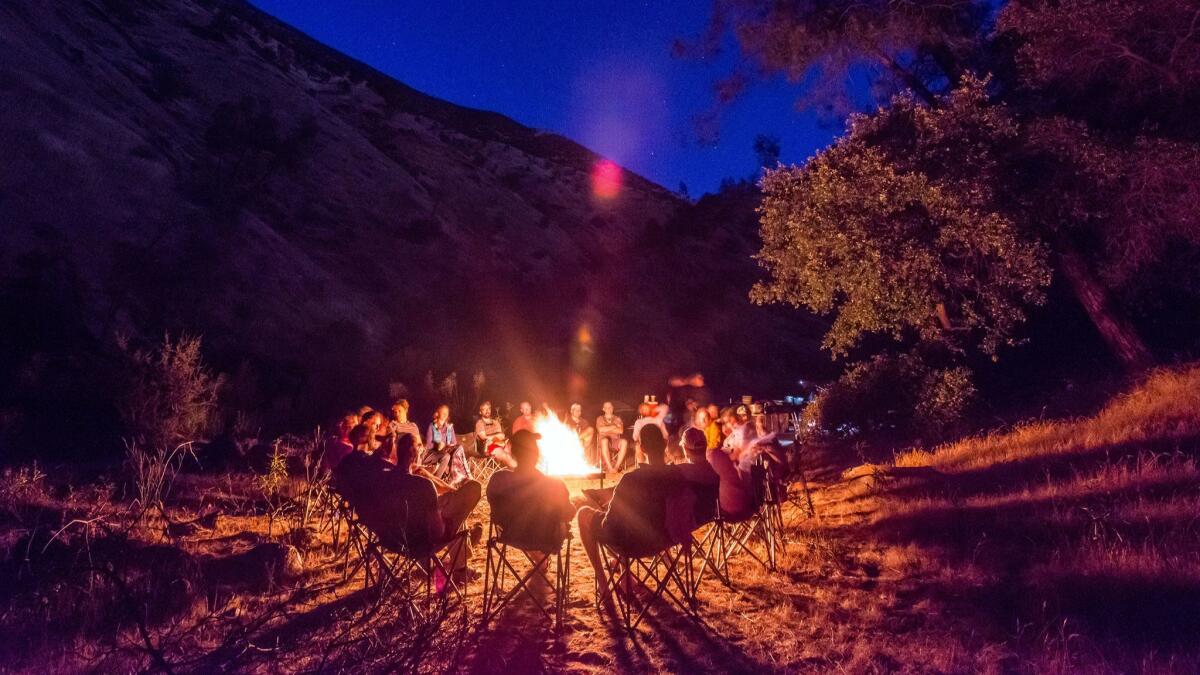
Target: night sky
[{"x": 600, "y": 73}]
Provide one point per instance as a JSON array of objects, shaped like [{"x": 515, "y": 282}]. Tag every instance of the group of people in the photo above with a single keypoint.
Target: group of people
[{"x": 416, "y": 491}]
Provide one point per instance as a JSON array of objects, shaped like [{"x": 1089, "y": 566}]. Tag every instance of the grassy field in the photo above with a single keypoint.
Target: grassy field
[{"x": 1057, "y": 546}]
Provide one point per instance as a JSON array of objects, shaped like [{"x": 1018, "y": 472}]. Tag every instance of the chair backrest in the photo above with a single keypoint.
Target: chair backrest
[
  {"x": 637, "y": 522},
  {"x": 397, "y": 517},
  {"x": 531, "y": 511}
]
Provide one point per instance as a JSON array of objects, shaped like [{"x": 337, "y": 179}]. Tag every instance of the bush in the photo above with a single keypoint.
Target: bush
[
  {"x": 169, "y": 396},
  {"x": 892, "y": 397}
]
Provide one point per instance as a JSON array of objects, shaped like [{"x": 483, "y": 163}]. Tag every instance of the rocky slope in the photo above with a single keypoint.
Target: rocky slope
[{"x": 195, "y": 165}]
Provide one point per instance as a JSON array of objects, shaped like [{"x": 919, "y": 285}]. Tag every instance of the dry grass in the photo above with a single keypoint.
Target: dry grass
[
  {"x": 1058, "y": 547},
  {"x": 1159, "y": 412},
  {"x": 1085, "y": 533}
]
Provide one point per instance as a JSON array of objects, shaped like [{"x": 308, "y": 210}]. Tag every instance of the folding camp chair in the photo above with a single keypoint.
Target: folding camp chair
[
  {"x": 664, "y": 576},
  {"x": 500, "y": 567},
  {"x": 480, "y": 465},
  {"x": 726, "y": 538},
  {"x": 765, "y": 524},
  {"x": 796, "y": 474},
  {"x": 389, "y": 566}
]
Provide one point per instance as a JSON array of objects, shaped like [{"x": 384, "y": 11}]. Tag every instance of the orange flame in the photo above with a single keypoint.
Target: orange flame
[{"x": 561, "y": 450}]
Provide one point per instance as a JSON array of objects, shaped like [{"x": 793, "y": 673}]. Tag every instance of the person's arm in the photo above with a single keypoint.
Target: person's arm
[
  {"x": 481, "y": 430},
  {"x": 440, "y": 486},
  {"x": 433, "y": 518},
  {"x": 566, "y": 508}
]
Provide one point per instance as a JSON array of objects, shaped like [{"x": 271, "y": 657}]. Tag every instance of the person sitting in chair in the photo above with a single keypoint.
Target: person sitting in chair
[
  {"x": 533, "y": 510},
  {"x": 610, "y": 438},
  {"x": 403, "y": 507},
  {"x": 700, "y": 476},
  {"x": 650, "y": 412},
  {"x": 650, "y": 510},
  {"x": 525, "y": 420},
  {"x": 490, "y": 440},
  {"x": 400, "y": 424},
  {"x": 582, "y": 428},
  {"x": 443, "y": 456}
]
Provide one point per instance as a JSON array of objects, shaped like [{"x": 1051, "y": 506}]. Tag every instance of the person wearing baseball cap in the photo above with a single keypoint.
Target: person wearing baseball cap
[{"x": 532, "y": 510}]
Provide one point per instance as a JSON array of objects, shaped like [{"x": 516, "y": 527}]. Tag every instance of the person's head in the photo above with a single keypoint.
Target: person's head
[
  {"x": 714, "y": 411},
  {"x": 729, "y": 420},
  {"x": 485, "y": 410},
  {"x": 743, "y": 413},
  {"x": 360, "y": 435},
  {"x": 691, "y": 404},
  {"x": 700, "y": 418},
  {"x": 373, "y": 420},
  {"x": 694, "y": 444},
  {"x": 654, "y": 445},
  {"x": 607, "y": 408},
  {"x": 576, "y": 411},
  {"x": 525, "y": 449},
  {"x": 406, "y": 451},
  {"x": 442, "y": 414},
  {"x": 346, "y": 423},
  {"x": 362, "y": 412},
  {"x": 400, "y": 410},
  {"x": 526, "y": 408}
]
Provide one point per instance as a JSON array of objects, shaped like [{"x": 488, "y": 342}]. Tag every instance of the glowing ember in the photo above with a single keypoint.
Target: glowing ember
[{"x": 562, "y": 453}]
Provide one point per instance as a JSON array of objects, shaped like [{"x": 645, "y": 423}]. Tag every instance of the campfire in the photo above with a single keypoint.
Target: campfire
[{"x": 562, "y": 453}]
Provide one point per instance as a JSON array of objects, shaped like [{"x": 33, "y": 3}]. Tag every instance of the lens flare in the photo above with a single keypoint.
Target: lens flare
[
  {"x": 606, "y": 179},
  {"x": 561, "y": 451}
]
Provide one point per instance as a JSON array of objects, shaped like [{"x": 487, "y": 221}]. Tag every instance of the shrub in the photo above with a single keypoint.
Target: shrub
[
  {"x": 169, "y": 396},
  {"x": 897, "y": 397}
]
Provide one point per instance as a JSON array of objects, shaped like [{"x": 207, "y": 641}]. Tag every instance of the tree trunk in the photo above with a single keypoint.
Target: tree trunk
[{"x": 1120, "y": 336}]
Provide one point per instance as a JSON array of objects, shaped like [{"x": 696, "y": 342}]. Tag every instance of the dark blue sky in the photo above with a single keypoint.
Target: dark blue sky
[{"x": 600, "y": 73}]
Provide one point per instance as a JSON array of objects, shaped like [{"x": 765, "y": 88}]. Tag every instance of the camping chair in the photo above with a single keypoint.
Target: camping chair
[
  {"x": 500, "y": 566},
  {"x": 480, "y": 465},
  {"x": 386, "y": 563},
  {"x": 706, "y": 555},
  {"x": 796, "y": 474},
  {"x": 664, "y": 577},
  {"x": 764, "y": 524},
  {"x": 355, "y": 546}
]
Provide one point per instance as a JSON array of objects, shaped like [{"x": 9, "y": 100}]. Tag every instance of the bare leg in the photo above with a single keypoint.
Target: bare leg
[
  {"x": 505, "y": 458},
  {"x": 605, "y": 457},
  {"x": 622, "y": 449},
  {"x": 589, "y": 523},
  {"x": 538, "y": 587}
]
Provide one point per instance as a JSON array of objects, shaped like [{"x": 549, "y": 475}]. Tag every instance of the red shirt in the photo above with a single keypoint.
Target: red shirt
[{"x": 523, "y": 422}]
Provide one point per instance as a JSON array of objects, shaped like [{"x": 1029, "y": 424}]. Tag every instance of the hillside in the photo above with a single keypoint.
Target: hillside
[
  {"x": 195, "y": 165},
  {"x": 1058, "y": 546}
]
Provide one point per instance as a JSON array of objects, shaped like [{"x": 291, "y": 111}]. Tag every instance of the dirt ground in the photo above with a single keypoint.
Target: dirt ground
[{"x": 1056, "y": 547}]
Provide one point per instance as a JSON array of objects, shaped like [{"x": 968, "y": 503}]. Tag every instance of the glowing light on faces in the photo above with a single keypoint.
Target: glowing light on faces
[
  {"x": 606, "y": 179},
  {"x": 561, "y": 450}
]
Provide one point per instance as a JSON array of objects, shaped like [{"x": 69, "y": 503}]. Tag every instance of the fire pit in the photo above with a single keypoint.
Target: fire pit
[{"x": 562, "y": 453}]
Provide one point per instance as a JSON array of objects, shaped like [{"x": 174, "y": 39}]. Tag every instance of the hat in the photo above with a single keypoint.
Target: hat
[{"x": 524, "y": 438}]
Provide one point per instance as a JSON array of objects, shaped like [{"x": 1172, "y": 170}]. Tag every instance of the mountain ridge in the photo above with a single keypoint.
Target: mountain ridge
[{"x": 198, "y": 166}]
